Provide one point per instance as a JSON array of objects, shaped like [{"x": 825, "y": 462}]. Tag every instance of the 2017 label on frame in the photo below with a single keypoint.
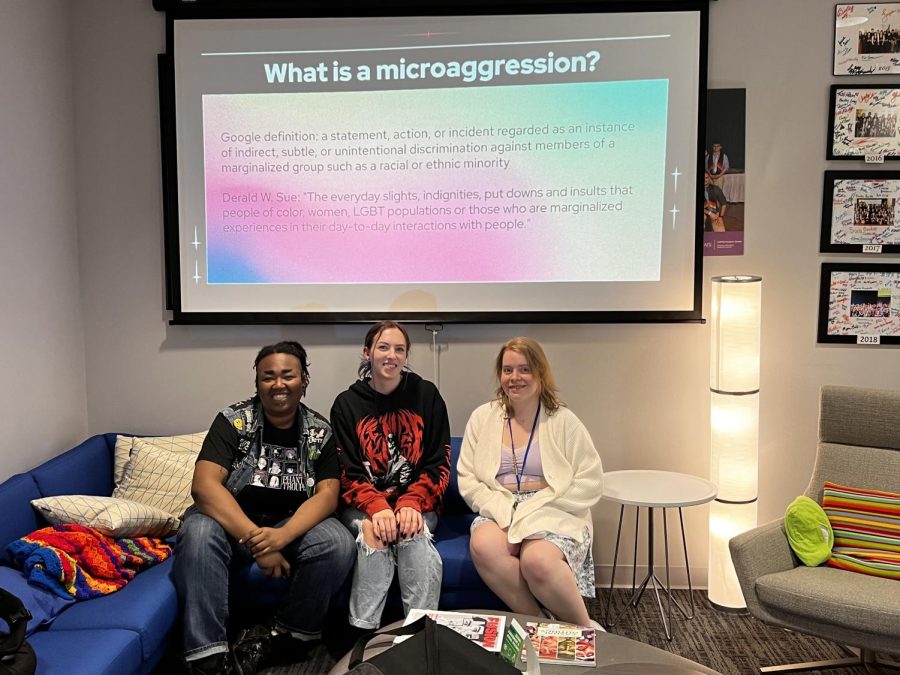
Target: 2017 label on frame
[{"x": 861, "y": 212}]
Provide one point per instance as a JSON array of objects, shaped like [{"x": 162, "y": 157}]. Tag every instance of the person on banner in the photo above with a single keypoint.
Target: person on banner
[
  {"x": 714, "y": 206},
  {"x": 242, "y": 514},
  {"x": 393, "y": 439},
  {"x": 717, "y": 164},
  {"x": 528, "y": 467}
]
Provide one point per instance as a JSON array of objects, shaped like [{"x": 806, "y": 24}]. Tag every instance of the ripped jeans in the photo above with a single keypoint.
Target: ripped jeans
[{"x": 419, "y": 571}]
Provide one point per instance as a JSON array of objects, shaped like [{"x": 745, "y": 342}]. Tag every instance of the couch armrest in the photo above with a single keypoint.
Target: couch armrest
[{"x": 763, "y": 550}]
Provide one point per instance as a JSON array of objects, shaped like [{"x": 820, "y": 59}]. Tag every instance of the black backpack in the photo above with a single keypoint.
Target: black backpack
[
  {"x": 16, "y": 655},
  {"x": 432, "y": 650}
]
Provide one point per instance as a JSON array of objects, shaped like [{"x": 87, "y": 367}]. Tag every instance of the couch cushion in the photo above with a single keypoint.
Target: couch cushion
[
  {"x": 108, "y": 515},
  {"x": 842, "y": 598},
  {"x": 250, "y": 586},
  {"x": 87, "y": 652},
  {"x": 453, "y": 503},
  {"x": 84, "y": 470},
  {"x": 43, "y": 605},
  {"x": 866, "y": 526},
  {"x": 452, "y": 542},
  {"x": 461, "y": 586},
  {"x": 19, "y": 518},
  {"x": 146, "y": 605}
]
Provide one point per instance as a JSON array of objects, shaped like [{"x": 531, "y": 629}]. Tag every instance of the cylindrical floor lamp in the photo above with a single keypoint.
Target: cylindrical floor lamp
[{"x": 734, "y": 426}]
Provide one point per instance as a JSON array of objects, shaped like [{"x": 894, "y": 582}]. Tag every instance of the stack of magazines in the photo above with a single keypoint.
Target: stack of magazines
[
  {"x": 483, "y": 629},
  {"x": 554, "y": 643},
  {"x": 563, "y": 643}
]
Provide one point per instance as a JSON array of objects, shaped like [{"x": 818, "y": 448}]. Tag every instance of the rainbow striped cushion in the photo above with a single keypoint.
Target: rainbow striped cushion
[{"x": 866, "y": 526}]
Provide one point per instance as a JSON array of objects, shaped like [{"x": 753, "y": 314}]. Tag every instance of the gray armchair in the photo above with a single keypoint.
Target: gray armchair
[{"x": 859, "y": 446}]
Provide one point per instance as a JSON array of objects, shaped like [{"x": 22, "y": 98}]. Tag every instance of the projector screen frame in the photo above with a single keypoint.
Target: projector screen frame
[{"x": 225, "y": 9}]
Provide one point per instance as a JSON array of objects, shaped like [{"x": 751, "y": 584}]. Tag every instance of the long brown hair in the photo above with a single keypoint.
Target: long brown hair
[
  {"x": 540, "y": 368},
  {"x": 365, "y": 366}
]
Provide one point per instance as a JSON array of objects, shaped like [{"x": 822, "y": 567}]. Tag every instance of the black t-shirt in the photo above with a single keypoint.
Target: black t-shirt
[{"x": 280, "y": 483}]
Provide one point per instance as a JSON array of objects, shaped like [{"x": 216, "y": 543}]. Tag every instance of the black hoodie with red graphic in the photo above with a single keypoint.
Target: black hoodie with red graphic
[{"x": 394, "y": 449}]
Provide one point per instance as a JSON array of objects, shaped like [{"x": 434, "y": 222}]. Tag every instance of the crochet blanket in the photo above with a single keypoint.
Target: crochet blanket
[{"x": 78, "y": 562}]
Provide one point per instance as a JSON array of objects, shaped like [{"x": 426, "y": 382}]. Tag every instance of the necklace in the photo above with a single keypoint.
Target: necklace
[{"x": 521, "y": 471}]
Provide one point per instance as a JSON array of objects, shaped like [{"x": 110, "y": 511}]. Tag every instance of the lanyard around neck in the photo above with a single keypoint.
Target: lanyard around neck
[{"x": 521, "y": 471}]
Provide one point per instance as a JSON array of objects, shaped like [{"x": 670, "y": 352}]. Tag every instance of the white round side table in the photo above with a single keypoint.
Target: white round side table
[{"x": 654, "y": 490}]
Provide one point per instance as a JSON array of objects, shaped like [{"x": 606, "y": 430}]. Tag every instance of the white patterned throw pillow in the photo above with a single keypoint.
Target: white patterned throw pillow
[
  {"x": 108, "y": 515},
  {"x": 186, "y": 443},
  {"x": 158, "y": 472}
]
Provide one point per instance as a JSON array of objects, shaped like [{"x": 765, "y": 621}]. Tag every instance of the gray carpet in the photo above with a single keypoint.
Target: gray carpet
[{"x": 733, "y": 644}]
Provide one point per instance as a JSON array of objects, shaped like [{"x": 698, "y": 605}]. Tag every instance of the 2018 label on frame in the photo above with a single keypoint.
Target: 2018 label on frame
[{"x": 859, "y": 303}]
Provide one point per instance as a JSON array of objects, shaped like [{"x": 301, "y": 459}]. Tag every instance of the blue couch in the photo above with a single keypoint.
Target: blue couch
[{"x": 131, "y": 630}]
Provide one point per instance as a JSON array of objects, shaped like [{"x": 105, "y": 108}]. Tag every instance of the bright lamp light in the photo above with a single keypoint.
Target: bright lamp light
[{"x": 734, "y": 426}]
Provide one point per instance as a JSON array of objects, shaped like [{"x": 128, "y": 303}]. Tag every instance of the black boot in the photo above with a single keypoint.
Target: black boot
[
  {"x": 263, "y": 646},
  {"x": 215, "y": 664}
]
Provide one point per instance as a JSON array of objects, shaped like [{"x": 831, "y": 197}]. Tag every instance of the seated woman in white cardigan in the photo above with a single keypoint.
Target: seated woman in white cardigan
[{"x": 529, "y": 469}]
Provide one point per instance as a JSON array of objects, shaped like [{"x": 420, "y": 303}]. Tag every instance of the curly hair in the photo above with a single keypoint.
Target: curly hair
[{"x": 291, "y": 347}]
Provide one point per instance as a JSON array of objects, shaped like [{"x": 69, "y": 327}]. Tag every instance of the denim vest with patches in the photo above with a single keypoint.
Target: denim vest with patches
[{"x": 247, "y": 418}]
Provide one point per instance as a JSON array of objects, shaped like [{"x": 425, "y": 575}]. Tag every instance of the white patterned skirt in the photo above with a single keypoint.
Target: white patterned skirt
[{"x": 577, "y": 553}]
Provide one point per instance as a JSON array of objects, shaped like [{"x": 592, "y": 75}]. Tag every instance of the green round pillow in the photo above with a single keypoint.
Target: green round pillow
[{"x": 808, "y": 531}]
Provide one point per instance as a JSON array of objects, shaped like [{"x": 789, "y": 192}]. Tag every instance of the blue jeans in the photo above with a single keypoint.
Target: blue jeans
[
  {"x": 206, "y": 555},
  {"x": 419, "y": 571}
]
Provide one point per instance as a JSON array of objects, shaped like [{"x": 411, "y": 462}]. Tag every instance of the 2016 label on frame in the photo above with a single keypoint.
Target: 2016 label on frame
[{"x": 864, "y": 122}]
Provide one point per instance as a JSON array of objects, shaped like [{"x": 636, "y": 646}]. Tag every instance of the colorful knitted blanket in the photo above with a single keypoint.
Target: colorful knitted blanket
[{"x": 78, "y": 562}]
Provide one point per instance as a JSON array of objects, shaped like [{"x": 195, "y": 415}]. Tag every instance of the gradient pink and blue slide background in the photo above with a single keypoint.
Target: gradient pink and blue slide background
[{"x": 591, "y": 246}]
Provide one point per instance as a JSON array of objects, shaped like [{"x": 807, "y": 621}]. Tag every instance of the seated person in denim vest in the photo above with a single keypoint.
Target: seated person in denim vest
[
  {"x": 245, "y": 510},
  {"x": 393, "y": 438}
]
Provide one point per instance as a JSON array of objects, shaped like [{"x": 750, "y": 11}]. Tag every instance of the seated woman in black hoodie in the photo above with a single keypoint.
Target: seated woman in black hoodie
[{"x": 393, "y": 439}]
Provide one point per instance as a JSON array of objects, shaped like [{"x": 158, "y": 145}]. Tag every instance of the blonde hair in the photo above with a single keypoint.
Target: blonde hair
[{"x": 540, "y": 368}]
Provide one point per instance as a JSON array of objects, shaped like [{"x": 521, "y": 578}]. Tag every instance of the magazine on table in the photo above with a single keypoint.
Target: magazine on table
[
  {"x": 482, "y": 629},
  {"x": 563, "y": 643}
]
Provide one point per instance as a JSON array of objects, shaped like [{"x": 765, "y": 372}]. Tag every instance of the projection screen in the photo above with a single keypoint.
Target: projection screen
[{"x": 491, "y": 167}]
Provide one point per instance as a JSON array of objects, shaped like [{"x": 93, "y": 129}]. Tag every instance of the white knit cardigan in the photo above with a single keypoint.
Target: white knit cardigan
[{"x": 571, "y": 465}]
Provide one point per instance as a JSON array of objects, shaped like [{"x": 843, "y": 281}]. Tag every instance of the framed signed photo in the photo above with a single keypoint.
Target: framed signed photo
[
  {"x": 863, "y": 121},
  {"x": 867, "y": 38},
  {"x": 861, "y": 212},
  {"x": 859, "y": 303}
]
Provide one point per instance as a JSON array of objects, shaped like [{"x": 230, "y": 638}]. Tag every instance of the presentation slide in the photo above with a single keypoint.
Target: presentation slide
[{"x": 438, "y": 164}]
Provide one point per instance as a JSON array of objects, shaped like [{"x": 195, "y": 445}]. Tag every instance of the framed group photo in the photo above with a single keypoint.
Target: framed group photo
[
  {"x": 864, "y": 122},
  {"x": 861, "y": 212},
  {"x": 867, "y": 38},
  {"x": 859, "y": 303}
]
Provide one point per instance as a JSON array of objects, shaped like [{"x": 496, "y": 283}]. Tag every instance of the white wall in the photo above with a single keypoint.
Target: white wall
[
  {"x": 41, "y": 334},
  {"x": 642, "y": 390}
]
